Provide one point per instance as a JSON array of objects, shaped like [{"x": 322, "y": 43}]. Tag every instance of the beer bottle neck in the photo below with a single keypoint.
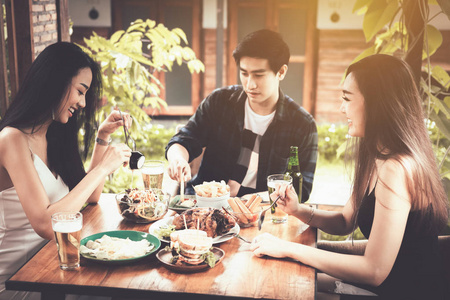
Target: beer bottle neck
[{"x": 293, "y": 163}]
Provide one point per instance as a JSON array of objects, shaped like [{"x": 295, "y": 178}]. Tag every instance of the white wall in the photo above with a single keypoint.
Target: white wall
[
  {"x": 79, "y": 12},
  {"x": 210, "y": 14}
]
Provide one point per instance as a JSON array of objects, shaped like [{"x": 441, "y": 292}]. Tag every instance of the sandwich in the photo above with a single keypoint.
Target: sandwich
[{"x": 192, "y": 247}]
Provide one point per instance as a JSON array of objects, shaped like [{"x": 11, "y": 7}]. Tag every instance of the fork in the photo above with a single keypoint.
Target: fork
[
  {"x": 262, "y": 214},
  {"x": 236, "y": 235}
]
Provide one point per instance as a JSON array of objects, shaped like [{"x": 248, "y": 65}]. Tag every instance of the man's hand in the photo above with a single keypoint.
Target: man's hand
[{"x": 179, "y": 167}]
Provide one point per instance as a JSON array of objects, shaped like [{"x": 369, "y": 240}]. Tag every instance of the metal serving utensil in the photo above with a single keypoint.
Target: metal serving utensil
[
  {"x": 127, "y": 134},
  {"x": 236, "y": 235},
  {"x": 262, "y": 214}
]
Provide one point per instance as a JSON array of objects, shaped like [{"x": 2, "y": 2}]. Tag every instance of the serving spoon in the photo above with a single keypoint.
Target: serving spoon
[{"x": 262, "y": 214}]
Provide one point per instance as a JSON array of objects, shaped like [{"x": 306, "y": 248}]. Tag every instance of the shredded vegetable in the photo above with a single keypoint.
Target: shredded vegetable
[{"x": 113, "y": 248}]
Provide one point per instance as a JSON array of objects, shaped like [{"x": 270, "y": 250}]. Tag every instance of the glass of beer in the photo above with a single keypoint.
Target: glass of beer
[
  {"x": 152, "y": 174},
  {"x": 278, "y": 216},
  {"x": 67, "y": 227}
]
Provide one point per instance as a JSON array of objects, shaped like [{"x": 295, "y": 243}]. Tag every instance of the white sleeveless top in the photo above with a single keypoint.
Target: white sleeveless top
[{"x": 18, "y": 240}]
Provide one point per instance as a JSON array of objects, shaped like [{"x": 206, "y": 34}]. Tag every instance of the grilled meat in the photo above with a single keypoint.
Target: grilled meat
[{"x": 214, "y": 221}]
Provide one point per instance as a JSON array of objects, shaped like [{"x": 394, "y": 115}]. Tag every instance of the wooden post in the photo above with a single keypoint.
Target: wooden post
[
  {"x": 62, "y": 14},
  {"x": 4, "y": 97},
  {"x": 20, "y": 40},
  {"x": 311, "y": 60}
]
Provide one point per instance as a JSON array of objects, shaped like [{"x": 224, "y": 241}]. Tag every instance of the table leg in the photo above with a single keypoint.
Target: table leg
[{"x": 52, "y": 296}]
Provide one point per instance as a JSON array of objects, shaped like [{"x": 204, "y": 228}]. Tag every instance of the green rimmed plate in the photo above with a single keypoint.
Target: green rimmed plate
[{"x": 123, "y": 234}]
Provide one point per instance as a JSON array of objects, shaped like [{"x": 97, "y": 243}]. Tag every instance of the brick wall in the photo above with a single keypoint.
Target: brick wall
[
  {"x": 337, "y": 49},
  {"x": 44, "y": 24}
]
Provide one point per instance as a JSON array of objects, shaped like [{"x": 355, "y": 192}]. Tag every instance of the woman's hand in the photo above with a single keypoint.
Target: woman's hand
[
  {"x": 267, "y": 244},
  {"x": 115, "y": 156},
  {"x": 112, "y": 123},
  {"x": 289, "y": 199}
]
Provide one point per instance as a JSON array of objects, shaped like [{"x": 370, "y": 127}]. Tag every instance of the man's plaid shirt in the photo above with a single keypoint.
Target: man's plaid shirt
[{"x": 218, "y": 125}]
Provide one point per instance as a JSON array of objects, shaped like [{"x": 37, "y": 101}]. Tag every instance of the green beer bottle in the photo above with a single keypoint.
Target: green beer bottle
[{"x": 294, "y": 170}]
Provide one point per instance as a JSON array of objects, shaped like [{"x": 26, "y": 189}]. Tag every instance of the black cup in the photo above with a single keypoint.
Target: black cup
[{"x": 137, "y": 160}]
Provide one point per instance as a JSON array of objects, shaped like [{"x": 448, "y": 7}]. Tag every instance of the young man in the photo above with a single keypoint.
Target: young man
[{"x": 247, "y": 130}]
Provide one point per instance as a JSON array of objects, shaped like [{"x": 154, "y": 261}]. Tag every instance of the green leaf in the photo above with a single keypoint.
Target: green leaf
[
  {"x": 445, "y": 6},
  {"x": 378, "y": 15},
  {"x": 434, "y": 38},
  {"x": 441, "y": 76},
  {"x": 150, "y": 23},
  {"x": 181, "y": 34},
  {"x": 361, "y": 5},
  {"x": 116, "y": 36},
  {"x": 447, "y": 101},
  {"x": 442, "y": 123},
  {"x": 440, "y": 106}
]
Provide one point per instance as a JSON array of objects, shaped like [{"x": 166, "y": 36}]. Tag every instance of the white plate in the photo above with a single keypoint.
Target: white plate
[{"x": 168, "y": 221}]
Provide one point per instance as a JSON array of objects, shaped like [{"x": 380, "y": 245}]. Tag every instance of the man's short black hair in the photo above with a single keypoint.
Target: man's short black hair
[{"x": 266, "y": 44}]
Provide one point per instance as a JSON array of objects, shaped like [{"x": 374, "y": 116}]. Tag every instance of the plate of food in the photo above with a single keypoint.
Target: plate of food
[
  {"x": 118, "y": 247},
  {"x": 190, "y": 251},
  {"x": 179, "y": 206},
  {"x": 142, "y": 206},
  {"x": 217, "y": 224}
]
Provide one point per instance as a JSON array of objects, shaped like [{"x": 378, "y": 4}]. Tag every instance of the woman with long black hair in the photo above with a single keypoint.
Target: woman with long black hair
[
  {"x": 398, "y": 200},
  {"x": 41, "y": 169}
]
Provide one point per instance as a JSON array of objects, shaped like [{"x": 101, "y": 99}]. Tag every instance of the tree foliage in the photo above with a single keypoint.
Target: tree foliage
[
  {"x": 130, "y": 60},
  {"x": 385, "y": 24}
]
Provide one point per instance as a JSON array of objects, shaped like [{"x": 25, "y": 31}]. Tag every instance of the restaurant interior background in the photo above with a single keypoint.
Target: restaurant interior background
[{"x": 324, "y": 36}]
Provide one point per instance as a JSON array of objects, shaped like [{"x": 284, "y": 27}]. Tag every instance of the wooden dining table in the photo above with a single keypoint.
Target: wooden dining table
[{"x": 240, "y": 274}]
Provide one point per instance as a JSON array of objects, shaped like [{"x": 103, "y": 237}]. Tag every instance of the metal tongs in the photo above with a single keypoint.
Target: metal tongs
[{"x": 127, "y": 134}]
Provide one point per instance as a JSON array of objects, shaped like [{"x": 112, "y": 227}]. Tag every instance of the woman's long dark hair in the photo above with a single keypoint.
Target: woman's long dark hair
[
  {"x": 395, "y": 120},
  {"x": 45, "y": 86}
]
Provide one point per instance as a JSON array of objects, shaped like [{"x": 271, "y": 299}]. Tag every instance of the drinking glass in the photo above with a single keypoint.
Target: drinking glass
[
  {"x": 152, "y": 174},
  {"x": 67, "y": 228},
  {"x": 278, "y": 216}
]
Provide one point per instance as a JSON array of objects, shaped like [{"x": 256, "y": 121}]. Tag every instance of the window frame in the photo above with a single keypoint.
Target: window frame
[{"x": 195, "y": 44}]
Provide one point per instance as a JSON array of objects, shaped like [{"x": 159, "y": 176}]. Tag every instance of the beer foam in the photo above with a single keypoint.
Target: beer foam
[
  {"x": 274, "y": 183},
  {"x": 153, "y": 171},
  {"x": 68, "y": 227}
]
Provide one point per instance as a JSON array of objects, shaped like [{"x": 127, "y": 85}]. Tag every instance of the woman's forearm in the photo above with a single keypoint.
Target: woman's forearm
[
  {"x": 97, "y": 154},
  {"x": 331, "y": 222},
  {"x": 353, "y": 268}
]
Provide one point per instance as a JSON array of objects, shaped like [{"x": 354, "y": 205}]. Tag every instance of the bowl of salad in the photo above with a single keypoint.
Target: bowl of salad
[{"x": 143, "y": 206}]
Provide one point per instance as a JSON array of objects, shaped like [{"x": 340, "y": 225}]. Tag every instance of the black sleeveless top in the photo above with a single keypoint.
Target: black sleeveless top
[{"x": 417, "y": 272}]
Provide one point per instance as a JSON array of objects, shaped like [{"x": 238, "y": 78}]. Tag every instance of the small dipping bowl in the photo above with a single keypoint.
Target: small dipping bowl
[{"x": 247, "y": 219}]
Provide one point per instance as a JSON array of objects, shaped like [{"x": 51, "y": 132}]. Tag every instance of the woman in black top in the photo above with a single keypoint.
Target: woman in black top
[{"x": 398, "y": 200}]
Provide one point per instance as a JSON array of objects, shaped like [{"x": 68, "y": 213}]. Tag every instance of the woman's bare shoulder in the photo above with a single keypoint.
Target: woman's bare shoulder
[
  {"x": 399, "y": 166},
  {"x": 394, "y": 174},
  {"x": 11, "y": 132},
  {"x": 12, "y": 140}
]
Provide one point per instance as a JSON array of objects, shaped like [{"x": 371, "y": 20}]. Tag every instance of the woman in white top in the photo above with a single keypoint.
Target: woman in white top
[{"x": 41, "y": 169}]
